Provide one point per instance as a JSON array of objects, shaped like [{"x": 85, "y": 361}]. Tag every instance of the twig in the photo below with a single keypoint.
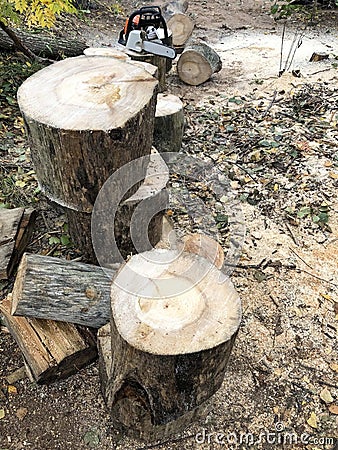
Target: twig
[
  {"x": 326, "y": 383},
  {"x": 280, "y": 72},
  {"x": 242, "y": 168},
  {"x": 318, "y": 278},
  {"x": 295, "y": 240},
  {"x": 169, "y": 441},
  {"x": 300, "y": 258},
  {"x": 270, "y": 105}
]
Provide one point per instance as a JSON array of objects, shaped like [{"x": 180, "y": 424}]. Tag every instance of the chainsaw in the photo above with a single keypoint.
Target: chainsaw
[{"x": 146, "y": 31}]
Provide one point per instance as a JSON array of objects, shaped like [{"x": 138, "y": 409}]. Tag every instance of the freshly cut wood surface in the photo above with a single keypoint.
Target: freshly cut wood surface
[
  {"x": 205, "y": 247},
  {"x": 181, "y": 27},
  {"x": 169, "y": 123},
  {"x": 175, "y": 303},
  {"x": 197, "y": 63},
  {"x": 52, "y": 350},
  {"x": 86, "y": 93},
  {"x": 53, "y": 288},
  {"x": 106, "y": 51}
]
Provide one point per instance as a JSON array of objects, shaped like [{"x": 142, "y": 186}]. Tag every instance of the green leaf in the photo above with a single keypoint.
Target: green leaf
[
  {"x": 223, "y": 218},
  {"x": 54, "y": 240},
  {"x": 65, "y": 239},
  {"x": 92, "y": 438},
  {"x": 303, "y": 212}
]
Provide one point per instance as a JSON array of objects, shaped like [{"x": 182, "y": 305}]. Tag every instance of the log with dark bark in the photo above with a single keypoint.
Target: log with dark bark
[
  {"x": 53, "y": 288},
  {"x": 198, "y": 63},
  {"x": 16, "y": 228},
  {"x": 169, "y": 123},
  {"x": 42, "y": 45},
  {"x": 179, "y": 23},
  {"x": 52, "y": 350},
  {"x": 169, "y": 357}
]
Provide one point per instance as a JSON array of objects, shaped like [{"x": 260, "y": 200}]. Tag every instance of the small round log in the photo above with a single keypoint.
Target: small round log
[
  {"x": 198, "y": 63},
  {"x": 169, "y": 123},
  {"x": 175, "y": 317},
  {"x": 179, "y": 23}
]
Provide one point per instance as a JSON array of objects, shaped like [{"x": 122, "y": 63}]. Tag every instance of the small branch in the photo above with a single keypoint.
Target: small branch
[
  {"x": 295, "y": 240},
  {"x": 17, "y": 41},
  {"x": 296, "y": 254},
  {"x": 318, "y": 278}
]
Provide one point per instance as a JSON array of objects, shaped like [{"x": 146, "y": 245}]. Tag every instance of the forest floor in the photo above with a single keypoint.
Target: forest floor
[{"x": 276, "y": 139}]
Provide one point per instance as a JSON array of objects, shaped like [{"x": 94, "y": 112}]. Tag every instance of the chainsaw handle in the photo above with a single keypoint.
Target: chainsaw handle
[{"x": 144, "y": 10}]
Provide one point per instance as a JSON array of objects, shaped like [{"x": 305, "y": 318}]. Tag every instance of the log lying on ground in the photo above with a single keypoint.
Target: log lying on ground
[
  {"x": 169, "y": 123},
  {"x": 16, "y": 228},
  {"x": 53, "y": 288},
  {"x": 183, "y": 316},
  {"x": 178, "y": 22},
  {"x": 44, "y": 45},
  {"x": 198, "y": 63},
  {"x": 85, "y": 118},
  {"x": 52, "y": 350}
]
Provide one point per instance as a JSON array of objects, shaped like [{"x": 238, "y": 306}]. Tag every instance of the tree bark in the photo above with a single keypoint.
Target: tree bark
[
  {"x": 170, "y": 356},
  {"x": 42, "y": 45},
  {"x": 169, "y": 123},
  {"x": 52, "y": 288},
  {"x": 16, "y": 228},
  {"x": 198, "y": 63},
  {"x": 52, "y": 350}
]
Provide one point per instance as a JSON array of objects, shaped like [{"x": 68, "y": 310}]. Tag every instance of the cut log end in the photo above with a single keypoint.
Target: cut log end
[{"x": 196, "y": 310}]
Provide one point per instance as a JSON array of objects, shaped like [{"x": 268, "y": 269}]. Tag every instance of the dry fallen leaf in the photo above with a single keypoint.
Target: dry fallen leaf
[
  {"x": 326, "y": 396},
  {"x": 333, "y": 409},
  {"x": 2, "y": 413},
  {"x": 312, "y": 420},
  {"x": 334, "y": 366},
  {"x": 21, "y": 413},
  {"x": 12, "y": 389},
  {"x": 333, "y": 175}
]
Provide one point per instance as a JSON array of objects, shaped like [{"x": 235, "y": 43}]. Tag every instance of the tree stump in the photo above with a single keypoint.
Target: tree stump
[
  {"x": 169, "y": 123},
  {"x": 159, "y": 367},
  {"x": 197, "y": 63},
  {"x": 52, "y": 350},
  {"x": 85, "y": 118},
  {"x": 179, "y": 23},
  {"x": 163, "y": 65}
]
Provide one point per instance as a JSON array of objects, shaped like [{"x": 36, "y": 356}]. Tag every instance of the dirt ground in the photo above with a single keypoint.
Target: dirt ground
[{"x": 281, "y": 385}]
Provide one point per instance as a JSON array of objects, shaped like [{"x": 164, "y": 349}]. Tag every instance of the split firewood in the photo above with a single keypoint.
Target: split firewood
[
  {"x": 16, "y": 228},
  {"x": 169, "y": 123},
  {"x": 52, "y": 350},
  {"x": 179, "y": 23},
  {"x": 183, "y": 316},
  {"x": 198, "y": 63}
]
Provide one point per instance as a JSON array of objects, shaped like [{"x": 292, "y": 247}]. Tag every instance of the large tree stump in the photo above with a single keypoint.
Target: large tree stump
[
  {"x": 53, "y": 288},
  {"x": 163, "y": 65},
  {"x": 178, "y": 22},
  {"x": 174, "y": 321},
  {"x": 198, "y": 63},
  {"x": 52, "y": 350},
  {"x": 85, "y": 118},
  {"x": 16, "y": 228},
  {"x": 169, "y": 123}
]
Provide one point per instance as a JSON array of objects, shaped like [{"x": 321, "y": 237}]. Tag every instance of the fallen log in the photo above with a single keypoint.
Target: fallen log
[
  {"x": 180, "y": 329},
  {"x": 52, "y": 350},
  {"x": 44, "y": 45},
  {"x": 169, "y": 123},
  {"x": 16, "y": 228},
  {"x": 85, "y": 118},
  {"x": 198, "y": 63},
  {"x": 179, "y": 23},
  {"x": 53, "y": 288}
]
